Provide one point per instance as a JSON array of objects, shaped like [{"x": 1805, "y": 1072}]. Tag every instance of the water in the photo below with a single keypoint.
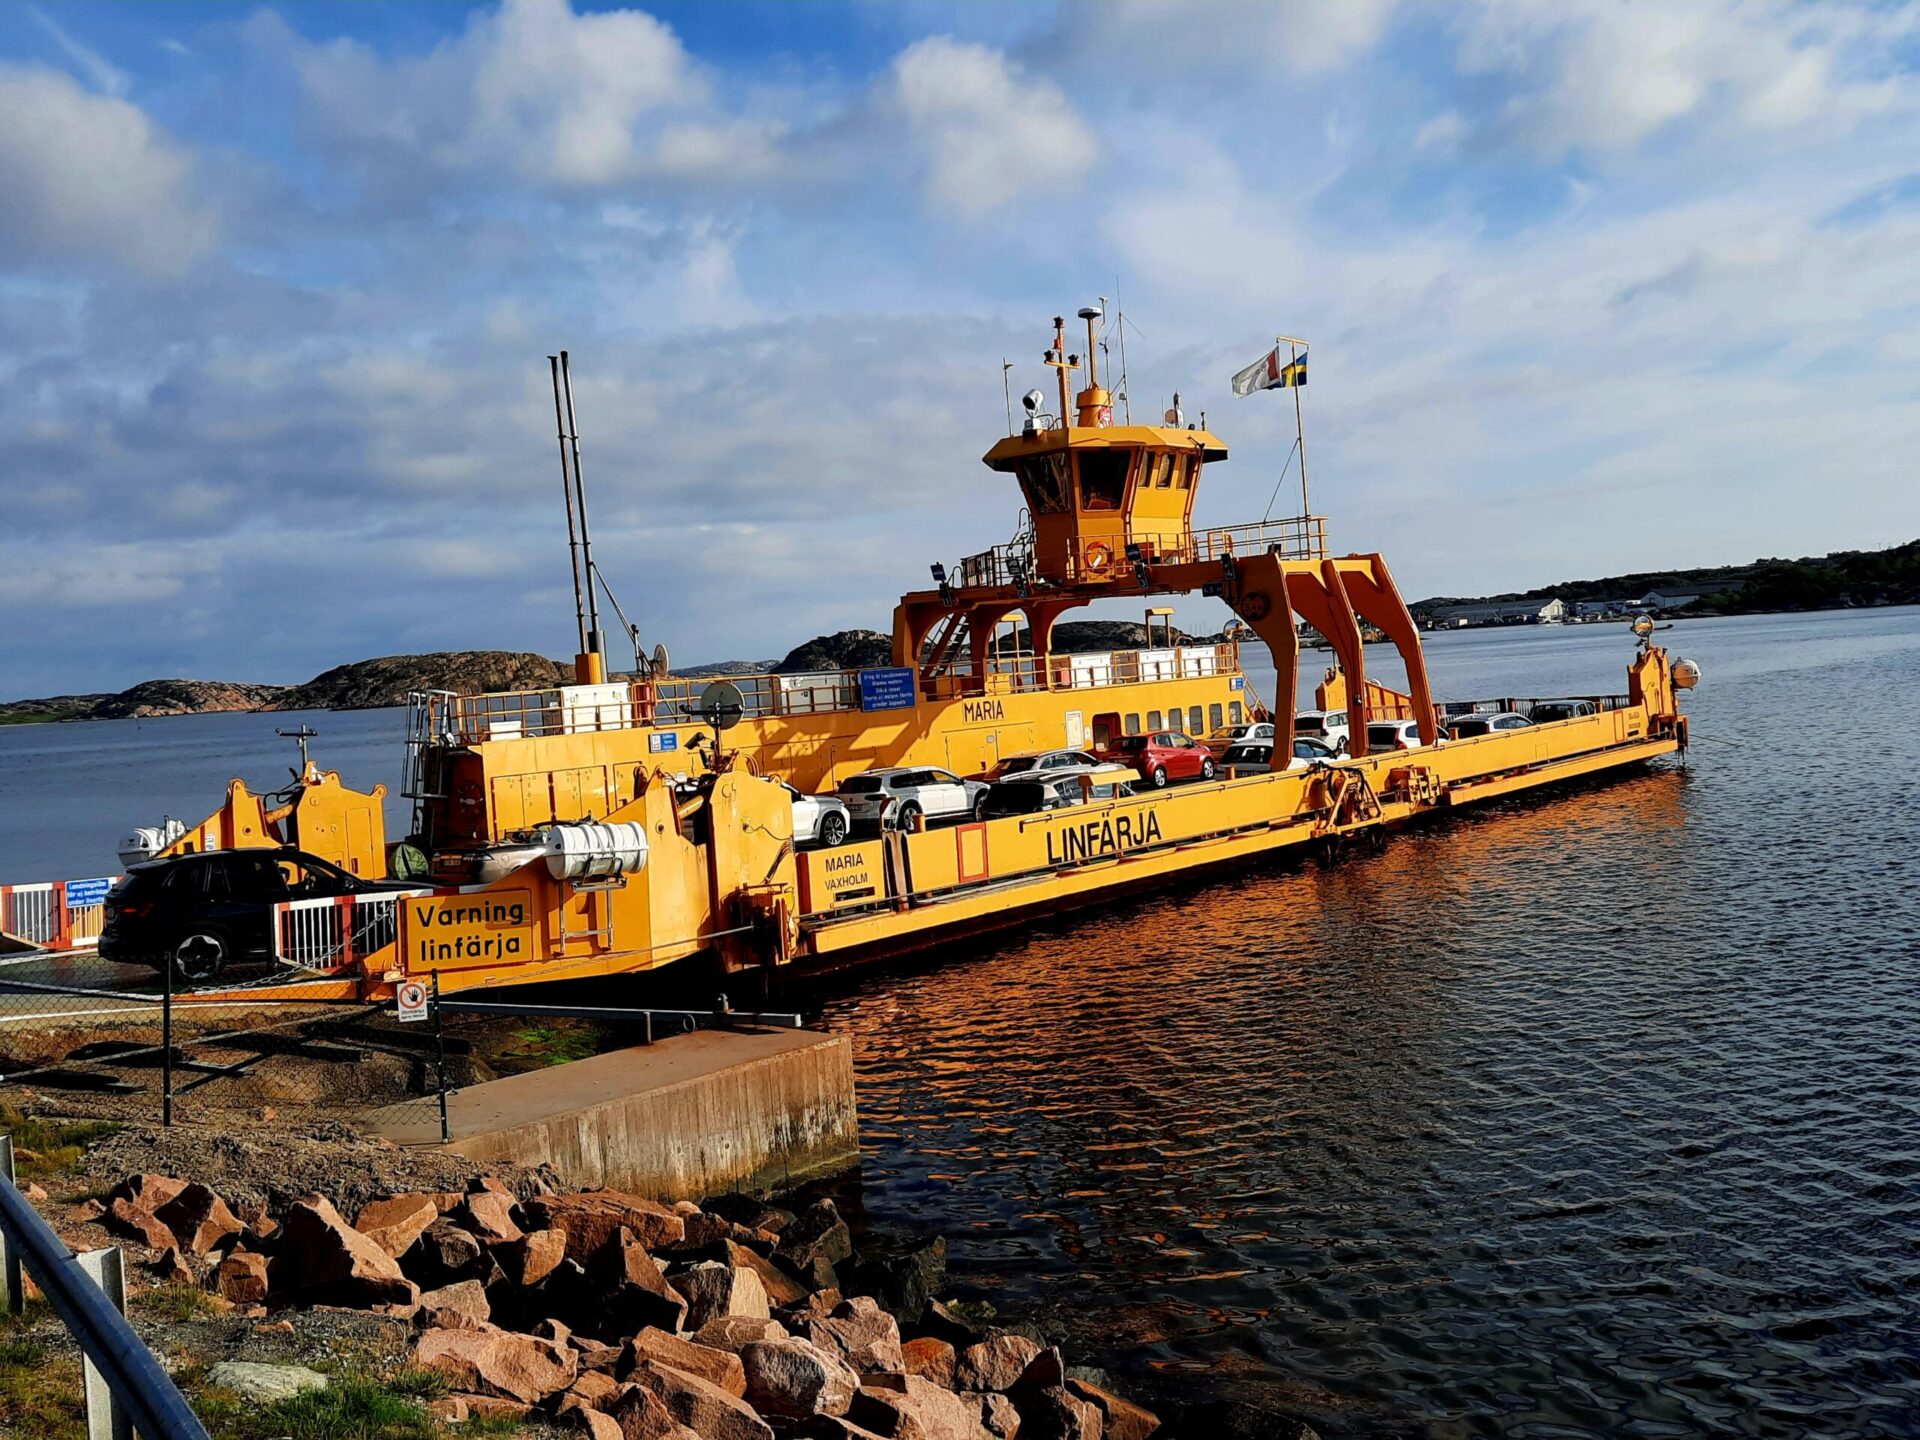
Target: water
[
  {"x": 1597, "y": 1114},
  {"x": 69, "y": 792}
]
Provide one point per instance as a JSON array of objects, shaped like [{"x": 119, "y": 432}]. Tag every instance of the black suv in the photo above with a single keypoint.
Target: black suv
[{"x": 202, "y": 913}]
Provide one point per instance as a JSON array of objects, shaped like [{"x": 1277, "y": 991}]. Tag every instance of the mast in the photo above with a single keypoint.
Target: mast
[
  {"x": 566, "y": 489},
  {"x": 1299, "y": 425},
  {"x": 593, "y": 658}
]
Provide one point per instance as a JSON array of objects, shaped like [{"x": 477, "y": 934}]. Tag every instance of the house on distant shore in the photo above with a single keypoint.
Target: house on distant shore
[
  {"x": 1503, "y": 612},
  {"x": 1667, "y": 599}
]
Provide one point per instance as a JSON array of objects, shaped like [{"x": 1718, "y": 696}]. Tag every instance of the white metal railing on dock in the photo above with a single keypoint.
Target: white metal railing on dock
[
  {"x": 337, "y": 930},
  {"x": 56, "y": 914}
]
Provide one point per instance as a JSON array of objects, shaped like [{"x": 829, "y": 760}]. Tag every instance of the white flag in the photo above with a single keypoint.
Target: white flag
[{"x": 1270, "y": 372}]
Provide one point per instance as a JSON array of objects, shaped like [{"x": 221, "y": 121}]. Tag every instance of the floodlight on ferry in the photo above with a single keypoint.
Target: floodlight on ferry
[{"x": 1033, "y": 399}]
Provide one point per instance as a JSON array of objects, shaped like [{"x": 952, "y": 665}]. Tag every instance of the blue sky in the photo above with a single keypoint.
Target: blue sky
[{"x": 1592, "y": 287}]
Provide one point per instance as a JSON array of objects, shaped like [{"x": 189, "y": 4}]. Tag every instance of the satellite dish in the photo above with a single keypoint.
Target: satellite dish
[
  {"x": 721, "y": 705},
  {"x": 660, "y": 667}
]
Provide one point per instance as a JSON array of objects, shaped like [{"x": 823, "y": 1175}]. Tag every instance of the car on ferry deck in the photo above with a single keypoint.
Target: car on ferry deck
[
  {"x": 1329, "y": 727},
  {"x": 1028, "y": 761},
  {"x": 1035, "y": 792},
  {"x": 1468, "y": 727},
  {"x": 1162, "y": 756},
  {"x": 1393, "y": 735},
  {"x": 818, "y": 819},
  {"x": 1256, "y": 757},
  {"x": 894, "y": 797},
  {"x": 1545, "y": 712},
  {"x": 1228, "y": 736}
]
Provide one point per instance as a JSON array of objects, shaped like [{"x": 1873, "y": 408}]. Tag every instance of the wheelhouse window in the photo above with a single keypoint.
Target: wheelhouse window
[
  {"x": 1196, "y": 715},
  {"x": 1045, "y": 480},
  {"x": 1103, "y": 478},
  {"x": 1176, "y": 722},
  {"x": 1153, "y": 719},
  {"x": 1162, "y": 472},
  {"x": 1133, "y": 723}
]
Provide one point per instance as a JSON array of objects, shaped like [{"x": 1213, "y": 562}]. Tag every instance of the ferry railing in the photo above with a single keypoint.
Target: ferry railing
[
  {"x": 125, "y": 1386},
  {"x": 333, "y": 931},
  {"x": 1296, "y": 537},
  {"x": 56, "y": 914}
]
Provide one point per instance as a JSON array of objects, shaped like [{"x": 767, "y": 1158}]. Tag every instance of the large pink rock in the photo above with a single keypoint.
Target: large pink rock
[
  {"x": 719, "y": 1367},
  {"x": 488, "y": 1361},
  {"x": 1121, "y": 1419},
  {"x": 782, "y": 1289},
  {"x": 489, "y": 1216},
  {"x": 533, "y": 1257},
  {"x": 131, "y": 1205},
  {"x": 643, "y": 1415},
  {"x": 198, "y": 1219},
  {"x": 712, "y": 1290},
  {"x": 242, "y": 1278},
  {"x": 396, "y": 1222},
  {"x": 323, "y": 1260},
  {"x": 929, "y": 1358},
  {"x": 632, "y": 1291},
  {"x": 862, "y": 1334},
  {"x": 907, "y": 1407},
  {"x": 1057, "y": 1414},
  {"x": 995, "y": 1363},
  {"x": 460, "y": 1306},
  {"x": 700, "y": 1405},
  {"x": 735, "y": 1332},
  {"x": 593, "y": 1219},
  {"x": 795, "y": 1378}
]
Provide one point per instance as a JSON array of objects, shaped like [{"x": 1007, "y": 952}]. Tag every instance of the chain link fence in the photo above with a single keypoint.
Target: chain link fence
[{"x": 94, "y": 1039}]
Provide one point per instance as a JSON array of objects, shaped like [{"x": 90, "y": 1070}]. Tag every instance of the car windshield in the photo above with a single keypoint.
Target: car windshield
[
  {"x": 1130, "y": 744},
  {"x": 861, "y": 785},
  {"x": 1307, "y": 725},
  {"x": 1382, "y": 734},
  {"x": 1015, "y": 799},
  {"x": 1014, "y": 764},
  {"x": 1470, "y": 727}
]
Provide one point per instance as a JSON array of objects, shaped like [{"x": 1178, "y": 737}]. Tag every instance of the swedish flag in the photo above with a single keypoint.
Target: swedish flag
[
  {"x": 1270, "y": 372},
  {"x": 1292, "y": 373}
]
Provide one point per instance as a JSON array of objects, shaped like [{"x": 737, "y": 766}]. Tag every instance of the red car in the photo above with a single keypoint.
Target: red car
[{"x": 1162, "y": 756}]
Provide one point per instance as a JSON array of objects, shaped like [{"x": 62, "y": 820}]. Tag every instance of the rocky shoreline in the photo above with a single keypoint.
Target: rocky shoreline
[{"x": 616, "y": 1316}]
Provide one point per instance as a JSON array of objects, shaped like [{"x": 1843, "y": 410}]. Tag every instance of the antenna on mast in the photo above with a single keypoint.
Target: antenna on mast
[{"x": 1006, "y": 384}]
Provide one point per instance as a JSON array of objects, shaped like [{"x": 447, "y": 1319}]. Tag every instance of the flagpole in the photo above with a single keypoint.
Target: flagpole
[{"x": 1299, "y": 430}]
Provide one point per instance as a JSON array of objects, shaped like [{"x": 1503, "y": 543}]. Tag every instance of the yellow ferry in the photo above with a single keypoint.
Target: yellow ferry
[{"x": 622, "y": 824}]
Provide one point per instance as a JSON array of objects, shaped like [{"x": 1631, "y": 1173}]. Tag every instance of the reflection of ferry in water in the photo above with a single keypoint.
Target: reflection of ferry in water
[{"x": 624, "y": 824}]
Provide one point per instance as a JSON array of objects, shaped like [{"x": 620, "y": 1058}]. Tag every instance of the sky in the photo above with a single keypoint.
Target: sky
[{"x": 1590, "y": 288}]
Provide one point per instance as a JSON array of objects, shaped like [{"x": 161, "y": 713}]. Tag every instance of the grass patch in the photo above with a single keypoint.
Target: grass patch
[
  {"x": 351, "y": 1408},
  {"x": 535, "y": 1047},
  {"x": 174, "y": 1302},
  {"x": 53, "y": 1147},
  {"x": 39, "y": 1393},
  {"x": 32, "y": 717}
]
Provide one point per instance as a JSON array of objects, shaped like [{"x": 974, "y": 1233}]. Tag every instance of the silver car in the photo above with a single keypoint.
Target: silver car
[
  {"x": 818, "y": 819},
  {"x": 1029, "y": 763},
  {"x": 1250, "y": 733},
  {"x": 896, "y": 797},
  {"x": 1468, "y": 727}
]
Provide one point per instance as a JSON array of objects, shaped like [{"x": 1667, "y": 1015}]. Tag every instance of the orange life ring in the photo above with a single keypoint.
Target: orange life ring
[{"x": 1099, "y": 556}]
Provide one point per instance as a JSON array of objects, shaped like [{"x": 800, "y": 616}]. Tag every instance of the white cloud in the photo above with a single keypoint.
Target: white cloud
[
  {"x": 1299, "y": 36},
  {"x": 991, "y": 132},
  {"x": 1603, "y": 78},
  {"x": 100, "y": 72},
  {"x": 91, "y": 176},
  {"x": 553, "y": 96}
]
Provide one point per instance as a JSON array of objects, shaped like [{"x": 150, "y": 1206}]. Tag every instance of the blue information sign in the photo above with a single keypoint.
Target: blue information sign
[
  {"x": 82, "y": 893},
  {"x": 663, "y": 740},
  {"x": 1238, "y": 682},
  {"x": 888, "y": 689}
]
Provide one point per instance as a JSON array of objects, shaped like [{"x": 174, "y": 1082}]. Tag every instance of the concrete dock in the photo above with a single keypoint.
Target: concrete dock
[{"x": 682, "y": 1118}]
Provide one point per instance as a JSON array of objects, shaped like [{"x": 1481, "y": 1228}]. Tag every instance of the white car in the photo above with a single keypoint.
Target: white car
[
  {"x": 818, "y": 819},
  {"x": 1393, "y": 735},
  {"x": 1253, "y": 732},
  {"x": 895, "y": 797},
  {"x": 1329, "y": 727},
  {"x": 1256, "y": 757},
  {"x": 1029, "y": 762}
]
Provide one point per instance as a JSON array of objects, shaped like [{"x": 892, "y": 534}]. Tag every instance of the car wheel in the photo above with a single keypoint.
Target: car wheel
[
  {"x": 980, "y": 806},
  {"x": 199, "y": 956},
  {"x": 833, "y": 828},
  {"x": 906, "y": 815},
  {"x": 1206, "y": 769},
  {"x": 1159, "y": 777}
]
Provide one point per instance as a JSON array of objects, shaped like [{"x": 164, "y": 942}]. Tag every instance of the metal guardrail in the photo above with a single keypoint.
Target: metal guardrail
[
  {"x": 126, "y": 1387},
  {"x": 56, "y": 914}
]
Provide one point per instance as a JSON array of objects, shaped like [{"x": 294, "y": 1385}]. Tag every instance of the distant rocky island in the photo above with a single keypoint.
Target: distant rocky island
[{"x": 374, "y": 684}]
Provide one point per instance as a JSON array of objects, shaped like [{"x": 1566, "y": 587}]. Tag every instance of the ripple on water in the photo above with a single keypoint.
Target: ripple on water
[{"x": 1598, "y": 1115}]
